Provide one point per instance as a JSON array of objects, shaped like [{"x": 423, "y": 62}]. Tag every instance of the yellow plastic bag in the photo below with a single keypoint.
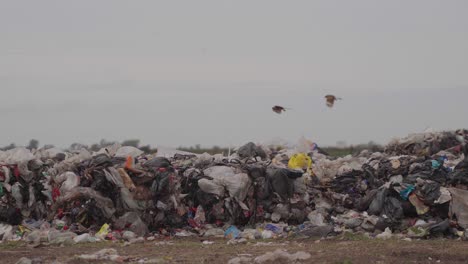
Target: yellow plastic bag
[
  {"x": 300, "y": 161},
  {"x": 103, "y": 231}
]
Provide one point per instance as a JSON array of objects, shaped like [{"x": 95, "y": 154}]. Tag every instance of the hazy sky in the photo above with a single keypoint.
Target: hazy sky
[{"x": 186, "y": 72}]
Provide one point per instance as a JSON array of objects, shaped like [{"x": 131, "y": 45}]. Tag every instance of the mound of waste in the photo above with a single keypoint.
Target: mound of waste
[{"x": 416, "y": 188}]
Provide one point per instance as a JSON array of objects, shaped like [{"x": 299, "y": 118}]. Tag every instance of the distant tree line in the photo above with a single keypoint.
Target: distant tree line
[
  {"x": 197, "y": 149},
  {"x": 34, "y": 144},
  {"x": 353, "y": 149}
]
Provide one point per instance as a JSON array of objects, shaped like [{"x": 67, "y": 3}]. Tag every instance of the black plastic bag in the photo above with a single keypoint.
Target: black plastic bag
[
  {"x": 250, "y": 150},
  {"x": 377, "y": 205}
]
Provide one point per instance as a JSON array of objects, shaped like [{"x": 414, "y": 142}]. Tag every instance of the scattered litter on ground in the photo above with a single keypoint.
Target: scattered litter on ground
[
  {"x": 281, "y": 256},
  {"x": 104, "y": 254}
]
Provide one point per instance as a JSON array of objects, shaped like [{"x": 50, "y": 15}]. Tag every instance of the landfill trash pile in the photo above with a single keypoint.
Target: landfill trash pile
[{"x": 416, "y": 188}]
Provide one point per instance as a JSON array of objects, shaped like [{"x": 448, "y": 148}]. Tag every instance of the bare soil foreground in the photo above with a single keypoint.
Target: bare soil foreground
[{"x": 194, "y": 251}]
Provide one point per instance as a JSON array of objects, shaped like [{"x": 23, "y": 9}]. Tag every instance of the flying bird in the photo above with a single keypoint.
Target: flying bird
[
  {"x": 331, "y": 100},
  {"x": 278, "y": 109}
]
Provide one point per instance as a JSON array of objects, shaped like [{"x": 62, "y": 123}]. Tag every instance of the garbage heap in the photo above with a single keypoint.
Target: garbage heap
[{"x": 416, "y": 188}]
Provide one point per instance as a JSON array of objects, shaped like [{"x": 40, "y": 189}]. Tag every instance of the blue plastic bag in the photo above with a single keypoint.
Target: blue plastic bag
[
  {"x": 404, "y": 194},
  {"x": 232, "y": 233}
]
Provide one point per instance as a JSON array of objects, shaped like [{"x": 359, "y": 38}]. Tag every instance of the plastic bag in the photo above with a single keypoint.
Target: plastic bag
[
  {"x": 105, "y": 204},
  {"x": 305, "y": 145},
  {"x": 274, "y": 228},
  {"x": 214, "y": 232},
  {"x": 57, "y": 237},
  {"x": 128, "y": 203},
  {"x": 251, "y": 234},
  {"x": 300, "y": 184},
  {"x": 104, "y": 254},
  {"x": 225, "y": 178},
  {"x": 377, "y": 205},
  {"x": 404, "y": 193},
  {"x": 250, "y": 150},
  {"x": 70, "y": 163},
  {"x": 300, "y": 161},
  {"x": 200, "y": 218},
  {"x": 316, "y": 231},
  {"x": 109, "y": 150},
  {"x": 17, "y": 155},
  {"x": 104, "y": 231},
  {"x": 37, "y": 236},
  {"x": 281, "y": 181},
  {"x": 68, "y": 181},
  {"x": 387, "y": 234},
  {"x": 129, "y": 163},
  {"x": 16, "y": 193},
  {"x": 444, "y": 196},
  {"x": 203, "y": 160},
  {"x": 210, "y": 186},
  {"x": 6, "y": 232},
  {"x": 157, "y": 162},
  {"x": 267, "y": 234},
  {"x": 232, "y": 233},
  {"x": 84, "y": 238},
  {"x": 316, "y": 218},
  {"x": 49, "y": 153},
  {"x": 238, "y": 186},
  {"x": 459, "y": 206},
  {"x": 429, "y": 192},
  {"x": 439, "y": 228},
  {"x": 421, "y": 208},
  {"x": 127, "y": 181},
  {"x": 393, "y": 209},
  {"x": 219, "y": 171},
  {"x": 281, "y": 256},
  {"x": 126, "y": 151},
  {"x": 128, "y": 235},
  {"x": 133, "y": 223},
  {"x": 113, "y": 176}
]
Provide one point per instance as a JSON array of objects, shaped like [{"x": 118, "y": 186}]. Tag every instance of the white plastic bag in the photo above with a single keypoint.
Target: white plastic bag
[
  {"x": 225, "y": 178},
  {"x": 126, "y": 151},
  {"x": 17, "y": 155},
  {"x": 108, "y": 150},
  {"x": 68, "y": 181},
  {"x": 6, "y": 232}
]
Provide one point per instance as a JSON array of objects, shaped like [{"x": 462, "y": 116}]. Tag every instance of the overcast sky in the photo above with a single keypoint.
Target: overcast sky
[{"x": 208, "y": 72}]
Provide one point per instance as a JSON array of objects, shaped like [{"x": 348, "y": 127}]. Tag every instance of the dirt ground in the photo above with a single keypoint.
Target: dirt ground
[{"x": 194, "y": 251}]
